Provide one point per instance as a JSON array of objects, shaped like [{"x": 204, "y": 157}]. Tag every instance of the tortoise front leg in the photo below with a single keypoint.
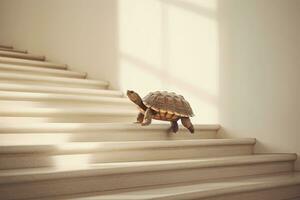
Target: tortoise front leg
[
  {"x": 140, "y": 118},
  {"x": 174, "y": 127},
  {"x": 186, "y": 122},
  {"x": 148, "y": 117}
]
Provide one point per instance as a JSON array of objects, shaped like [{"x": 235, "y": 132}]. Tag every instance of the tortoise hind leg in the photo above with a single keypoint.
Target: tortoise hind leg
[
  {"x": 140, "y": 118},
  {"x": 148, "y": 117},
  {"x": 186, "y": 122},
  {"x": 174, "y": 127}
]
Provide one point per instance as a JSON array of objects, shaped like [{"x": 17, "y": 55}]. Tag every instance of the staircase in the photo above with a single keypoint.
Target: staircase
[{"x": 63, "y": 136}]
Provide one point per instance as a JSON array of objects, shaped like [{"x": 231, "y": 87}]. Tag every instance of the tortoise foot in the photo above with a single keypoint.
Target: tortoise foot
[
  {"x": 174, "y": 127},
  {"x": 146, "y": 123},
  {"x": 192, "y": 130},
  {"x": 171, "y": 130}
]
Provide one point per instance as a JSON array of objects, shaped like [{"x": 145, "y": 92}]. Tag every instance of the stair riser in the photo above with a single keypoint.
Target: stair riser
[
  {"x": 63, "y": 73},
  {"x": 101, "y": 135},
  {"x": 52, "y": 83},
  {"x": 21, "y": 56},
  {"x": 58, "y": 90},
  {"x": 13, "y": 50},
  {"x": 66, "y": 119},
  {"x": 5, "y": 46},
  {"x": 24, "y": 62},
  {"x": 67, "y": 103},
  {"x": 281, "y": 193},
  {"x": 12, "y": 161},
  {"x": 95, "y": 183}
]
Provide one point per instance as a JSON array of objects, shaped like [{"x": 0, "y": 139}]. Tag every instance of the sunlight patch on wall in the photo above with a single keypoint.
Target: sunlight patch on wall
[
  {"x": 171, "y": 45},
  {"x": 137, "y": 75},
  {"x": 205, "y": 4},
  {"x": 139, "y": 30},
  {"x": 192, "y": 50}
]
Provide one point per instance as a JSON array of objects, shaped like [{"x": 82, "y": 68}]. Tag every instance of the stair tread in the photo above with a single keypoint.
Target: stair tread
[
  {"x": 10, "y": 75},
  {"x": 34, "y": 111},
  {"x": 6, "y": 46},
  {"x": 39, "y": 70},
  {"x": 19, "y": 61},
  {"x": 75, "y": 127},
  {"x": 26, "y": 56},
  {"x": 13, "y": 50},
  {"x": 29, "y": 96},
  {"x": 56, "y": 89},
  {"x": 35, "y": 174},
  {"x": 201, "y": 189},
  {"x": 73, "y": 147}
]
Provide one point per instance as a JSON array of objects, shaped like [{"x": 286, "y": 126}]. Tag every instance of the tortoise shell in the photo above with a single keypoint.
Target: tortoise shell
[{"x": 168, "y": 105}]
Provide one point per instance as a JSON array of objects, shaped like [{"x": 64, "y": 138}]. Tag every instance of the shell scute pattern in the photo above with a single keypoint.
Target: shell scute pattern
[{"x": 168, "y": 105}]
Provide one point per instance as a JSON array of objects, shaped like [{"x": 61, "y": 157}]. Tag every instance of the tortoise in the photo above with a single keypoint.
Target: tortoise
[{"x": 162, "y": 105}]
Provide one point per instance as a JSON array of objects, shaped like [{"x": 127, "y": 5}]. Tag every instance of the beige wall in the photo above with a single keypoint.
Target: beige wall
[
  {"x": 259, "y": 72},
  {"x": 81, "y": 33},
  {"x": 236, "y": 61}
]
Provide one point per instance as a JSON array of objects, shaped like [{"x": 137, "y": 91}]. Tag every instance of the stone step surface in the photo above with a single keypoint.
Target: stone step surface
[
  {"x": 19, "y": 154},
  {"x": 34, "y": 133},
  {"x": 25, "y": 62},
  {"x": 6, "y": 46},
  {"x": 282, "y": 186},
  {"x": 27, "y": 56},
  {"x": 41, "y": 71},
  {"x": 58, "y": 89},
  {"x": 46, "y": 182},
  {"x": 6, "y": 77},
  {"x": 75, "y": 114},
  {"x": 28, "y": 99},
  {"x": 13, "y": 50}
]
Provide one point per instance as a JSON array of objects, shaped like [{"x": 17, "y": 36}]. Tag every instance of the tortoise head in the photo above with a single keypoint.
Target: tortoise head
[{"x": 134, "y": 97}]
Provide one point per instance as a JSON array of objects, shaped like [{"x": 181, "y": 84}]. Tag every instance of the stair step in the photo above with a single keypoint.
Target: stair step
[
  {"x": 88, "y": 147},
  {"x": 44, "y": 182},
  {"x": 52, "y": 112},
  {"x": 41, "y": 71},
  {"x": 24, "y": 62},
  {"x": 21, "y": 55},
  {"x": 28, "y": 99},
  {"x": 49, "y": 80},
  {"x": 75, "y": 114},
  {"x": 68, "y": 103},
  {"x": 45, "y": 154},
  {"x": 282, "y": 186},
  {"x": 13, "y": 50},
  {"x": 6, "y": 46},
  {"x": 58, "y": 90},
  {"x": 88, "y": 132}
]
